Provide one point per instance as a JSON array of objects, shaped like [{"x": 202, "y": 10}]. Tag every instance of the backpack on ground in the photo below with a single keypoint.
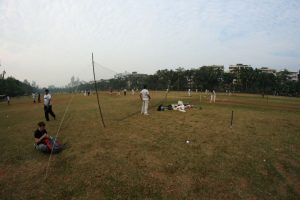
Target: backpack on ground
[
  {"x": 160, "y": 108},
  {"x": 53, "y": 145}
]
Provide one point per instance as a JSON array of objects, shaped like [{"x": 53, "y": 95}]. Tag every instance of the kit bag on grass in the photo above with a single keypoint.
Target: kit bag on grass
[{"x": 54, "y": 144}]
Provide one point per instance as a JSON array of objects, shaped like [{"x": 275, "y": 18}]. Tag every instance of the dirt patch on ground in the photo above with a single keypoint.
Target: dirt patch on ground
[{"x": 291, "y": 179}]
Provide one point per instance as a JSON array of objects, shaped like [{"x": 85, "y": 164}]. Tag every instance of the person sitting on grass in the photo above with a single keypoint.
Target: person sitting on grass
[{"x": 44, "y": 142}]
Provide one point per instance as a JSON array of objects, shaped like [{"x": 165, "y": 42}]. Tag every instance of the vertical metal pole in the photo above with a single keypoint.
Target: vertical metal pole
[
  {"x": 178, "y": 82},
  {"x": 231, "y": 119},
  {"x": 97, "y": 92}
]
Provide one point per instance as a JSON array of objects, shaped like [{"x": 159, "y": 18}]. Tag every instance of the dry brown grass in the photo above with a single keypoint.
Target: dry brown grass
[{"x": 147, "y": 157}]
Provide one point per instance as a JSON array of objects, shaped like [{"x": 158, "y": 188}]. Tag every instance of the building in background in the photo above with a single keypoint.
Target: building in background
[
  {"x": 122, "y": 75},
  {"x": 268, "y": 70},
  {"x": 129, "y": 75},
  {"x": 293, "y": 76},
  {"x": 290, "y": 76},
  {"x": 135, "y": 74},
  {"x": 236, "y": 68}
]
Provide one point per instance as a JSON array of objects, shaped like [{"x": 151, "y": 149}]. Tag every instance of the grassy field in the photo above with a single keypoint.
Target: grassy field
[{"x": 147, "y": 157}]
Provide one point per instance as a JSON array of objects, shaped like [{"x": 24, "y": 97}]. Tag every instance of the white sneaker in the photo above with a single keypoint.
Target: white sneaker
[{"x": 146, "y": 114}]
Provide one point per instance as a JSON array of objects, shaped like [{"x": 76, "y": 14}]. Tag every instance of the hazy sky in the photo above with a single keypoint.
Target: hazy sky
[{"x": 49, "y": 41}]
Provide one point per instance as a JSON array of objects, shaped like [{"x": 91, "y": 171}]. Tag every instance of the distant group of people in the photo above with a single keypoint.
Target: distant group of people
[
  {"x": 34, "y": 97},
  {"x": 124, "y": 91},
  {"x": 212, "y": 94},
  {"x": 189, "y": 92},
  {"x": 144, "y": 97},
  {"x": 87, "y": 93}
]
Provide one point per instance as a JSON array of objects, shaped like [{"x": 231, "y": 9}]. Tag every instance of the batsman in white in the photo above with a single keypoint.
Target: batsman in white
[{"x": 145, "y": 98}]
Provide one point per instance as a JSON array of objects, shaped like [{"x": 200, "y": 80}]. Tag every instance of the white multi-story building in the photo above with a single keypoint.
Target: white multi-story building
[
  {"x": 293, "y": 76},
  {"x": 237, "y": 67},
  {"x": 127, "y": 74},
  {"x": 267, "y": 70}
]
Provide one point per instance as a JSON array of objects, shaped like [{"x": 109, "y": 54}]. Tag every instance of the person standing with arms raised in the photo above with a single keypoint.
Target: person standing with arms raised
[
  {"x": 145, "y": 97},
  {"x": 48, "y": 105}
]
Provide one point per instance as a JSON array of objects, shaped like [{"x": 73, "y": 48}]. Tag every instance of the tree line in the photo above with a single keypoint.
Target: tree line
[
  {"x": 13, "y": 87},
  {"x": 246, "y": 80}
]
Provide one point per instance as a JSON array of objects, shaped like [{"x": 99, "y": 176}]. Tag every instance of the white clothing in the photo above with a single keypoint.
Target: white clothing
[
  {"x": 180, "y": 108},
  {"x": 47, "y": 99},
  {"x": 213, "y": 97},
  {"x": 145, "y": 107},
  {"x": 180, "y": 103},
  {"x": 8, "y": 98},
  {"x": 145, "y": 94}
]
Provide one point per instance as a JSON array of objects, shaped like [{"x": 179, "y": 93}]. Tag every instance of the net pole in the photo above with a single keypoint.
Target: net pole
[
  {"x": 99, "y": 107},
  {"x": 231, "y": 122}
]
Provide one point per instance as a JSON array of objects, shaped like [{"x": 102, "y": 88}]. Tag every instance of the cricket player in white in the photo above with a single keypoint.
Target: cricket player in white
[
  {"x": 213, "y": 97},
  {"x": 189, "y": 92},
  {"x": 8, "y": 100},
  {"x": 145, "y": 97},
  {"x": 48, "y": 105},
  {"x": 33, "y": 97}
]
